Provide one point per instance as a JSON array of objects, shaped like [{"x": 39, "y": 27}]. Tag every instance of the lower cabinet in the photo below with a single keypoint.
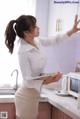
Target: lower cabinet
[
  {"x": 57, "y": 114},
  {"x": 44, "y": 110},
  {"x": 47, "y": 111},
  {"x": 7, "y": 111}
]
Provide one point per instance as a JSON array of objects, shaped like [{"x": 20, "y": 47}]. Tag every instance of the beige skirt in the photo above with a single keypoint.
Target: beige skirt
[{"x": 26, "y": 102}]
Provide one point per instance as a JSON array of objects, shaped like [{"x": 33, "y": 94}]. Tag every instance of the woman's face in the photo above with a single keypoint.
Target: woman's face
[{"x": 36, "y": 31}]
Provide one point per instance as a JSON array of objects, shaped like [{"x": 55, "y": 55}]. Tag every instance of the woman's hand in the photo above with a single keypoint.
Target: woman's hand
[
  {"x": 55, "y": 77},
  {"x": 75, "y": 26}
]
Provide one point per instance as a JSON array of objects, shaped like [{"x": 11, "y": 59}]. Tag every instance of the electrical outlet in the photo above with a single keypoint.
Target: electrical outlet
[{"x": 4, "y": 115}]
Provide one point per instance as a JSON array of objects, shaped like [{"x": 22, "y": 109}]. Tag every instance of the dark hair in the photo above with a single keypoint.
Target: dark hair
[{"x": 18, "y": 27}]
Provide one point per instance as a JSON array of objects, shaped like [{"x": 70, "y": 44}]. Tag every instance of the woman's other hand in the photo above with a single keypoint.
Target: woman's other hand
[
  {"x": 55, "y": 77},
  {"x": 75, "y": 26}
]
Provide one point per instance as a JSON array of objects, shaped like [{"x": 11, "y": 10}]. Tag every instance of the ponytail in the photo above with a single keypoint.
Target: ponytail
[{"x": 10, "y": 35}]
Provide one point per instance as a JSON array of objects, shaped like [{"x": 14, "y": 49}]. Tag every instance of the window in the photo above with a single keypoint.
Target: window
[{"x": 9, "y": 10}]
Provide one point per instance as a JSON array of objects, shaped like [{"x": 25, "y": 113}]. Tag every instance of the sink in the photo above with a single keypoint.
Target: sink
[{"x": 7, "y": 91}]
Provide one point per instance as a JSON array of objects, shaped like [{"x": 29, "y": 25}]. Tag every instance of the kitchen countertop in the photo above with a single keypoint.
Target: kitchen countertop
[
  {"x": 7, "y": 98},
  {"x": 67, "y": 104}
]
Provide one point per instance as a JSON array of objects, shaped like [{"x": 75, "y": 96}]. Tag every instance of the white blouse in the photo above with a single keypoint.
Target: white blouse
[{"x": 32, "y": 61}]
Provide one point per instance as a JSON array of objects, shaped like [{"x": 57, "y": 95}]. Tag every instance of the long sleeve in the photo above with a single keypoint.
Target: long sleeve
[
  {"x": 29, "y": 79},
  {"x": 53, "y": 40}
]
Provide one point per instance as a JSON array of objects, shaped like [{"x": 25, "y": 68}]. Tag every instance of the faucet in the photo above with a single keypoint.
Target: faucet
[{"x": 15, "y": 71}]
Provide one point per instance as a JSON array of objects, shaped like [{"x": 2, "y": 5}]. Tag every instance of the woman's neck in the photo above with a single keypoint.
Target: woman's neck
[{"x": 30, "y": 40}]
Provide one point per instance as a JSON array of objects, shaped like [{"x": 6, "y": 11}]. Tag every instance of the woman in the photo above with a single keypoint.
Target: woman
[{"x": 32, "y": 62}]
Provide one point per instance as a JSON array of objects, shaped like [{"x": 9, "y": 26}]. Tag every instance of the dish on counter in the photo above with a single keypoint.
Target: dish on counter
[{"x": 62, "y": 93}]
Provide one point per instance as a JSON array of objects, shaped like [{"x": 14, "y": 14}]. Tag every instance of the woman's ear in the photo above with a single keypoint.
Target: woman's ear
[{"x": 26, "y": 33}]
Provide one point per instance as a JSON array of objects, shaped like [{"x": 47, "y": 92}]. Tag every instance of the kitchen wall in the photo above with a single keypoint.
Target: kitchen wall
[
  {"x": 63, "y": 56},
  {"x": 42, "y": 12}
]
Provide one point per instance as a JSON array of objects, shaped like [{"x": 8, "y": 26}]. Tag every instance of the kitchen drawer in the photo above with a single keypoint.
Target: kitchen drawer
[{"x": 7, "y": 110}]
